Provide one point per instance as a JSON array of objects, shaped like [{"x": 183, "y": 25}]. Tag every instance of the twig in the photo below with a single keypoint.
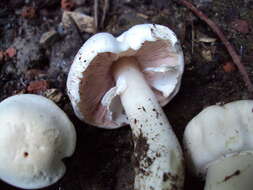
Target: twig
[
  {"x": 193, "y": 35},
  {"x": 96, "y": 14},
  {"x": 105, "y": 9},
  {"x": 230, "y": 48}
]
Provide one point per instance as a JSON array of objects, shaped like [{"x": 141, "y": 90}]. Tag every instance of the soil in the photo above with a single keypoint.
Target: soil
[{"x": 102, "y": 160}]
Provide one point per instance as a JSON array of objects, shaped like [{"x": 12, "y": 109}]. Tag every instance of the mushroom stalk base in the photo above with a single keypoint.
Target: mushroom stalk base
[
  {"x": 231, "y": 173},
  {"x": 157, "y": 153}
]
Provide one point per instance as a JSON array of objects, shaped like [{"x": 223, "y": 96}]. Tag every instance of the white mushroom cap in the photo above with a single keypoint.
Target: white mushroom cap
[
  {"x": 90, "y": 83},
  {"x": 218, "y": 131},
  {"x": 35, "y": 136}
]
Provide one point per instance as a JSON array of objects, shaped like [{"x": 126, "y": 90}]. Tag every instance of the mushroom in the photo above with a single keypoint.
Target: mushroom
[
  {"x": 219, "y": 146},
  {"x": 35, "y": 136},
  {"x": 118, "y": 81}
]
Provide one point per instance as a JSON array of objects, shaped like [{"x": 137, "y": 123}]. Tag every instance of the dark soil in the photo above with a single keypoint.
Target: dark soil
[{"x": 102, "y": 160}]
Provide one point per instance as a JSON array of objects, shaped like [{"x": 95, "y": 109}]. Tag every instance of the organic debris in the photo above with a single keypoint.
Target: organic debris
[
  {"x": 229, "y": 67},
  {"x": 28, "y": 12},
  {"x": 236, "y": 58},
  {"x": 38, "y": 86},
  {"x": 241, "y": 26},
  {"x": 67, "y": 5}
]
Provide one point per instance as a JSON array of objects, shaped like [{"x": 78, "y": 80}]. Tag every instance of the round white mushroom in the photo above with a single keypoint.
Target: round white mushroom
[
  {"x": 219, "y": 145},
  {"x": 117, "y": 81},
  {"x": 35, "y": 136}
]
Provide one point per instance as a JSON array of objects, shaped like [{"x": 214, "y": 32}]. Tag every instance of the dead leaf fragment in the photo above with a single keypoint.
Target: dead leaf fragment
[
  {"x": 241, "y": 26},
  {"x": 84, "y": 22}
]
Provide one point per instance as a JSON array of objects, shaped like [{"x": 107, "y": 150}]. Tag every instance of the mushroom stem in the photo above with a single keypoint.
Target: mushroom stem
[
  {"x": 157, "y": 153},
  {"x": 231, "y": 173}
]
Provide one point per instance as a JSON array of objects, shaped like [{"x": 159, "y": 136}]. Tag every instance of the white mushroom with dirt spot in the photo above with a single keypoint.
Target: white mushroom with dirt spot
[
  {"x": 125, "y": 80},
  {"x": 35, "y": 136},
  {"x": 219, "y": 146}
]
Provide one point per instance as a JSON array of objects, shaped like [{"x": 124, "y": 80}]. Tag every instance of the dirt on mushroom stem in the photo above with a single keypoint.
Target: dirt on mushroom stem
[{"x": 158, "y": 156}]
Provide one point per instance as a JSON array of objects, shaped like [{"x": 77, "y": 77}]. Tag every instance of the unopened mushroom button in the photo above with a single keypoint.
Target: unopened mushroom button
[{"x": 35, "y": 135}]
